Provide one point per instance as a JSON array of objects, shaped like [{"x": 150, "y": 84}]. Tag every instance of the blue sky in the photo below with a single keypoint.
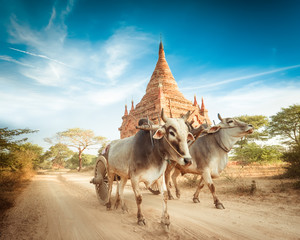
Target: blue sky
[{"x": 76, "y": 63}]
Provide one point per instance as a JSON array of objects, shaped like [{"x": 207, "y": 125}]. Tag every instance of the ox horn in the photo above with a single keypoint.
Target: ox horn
[
  {"x": 148, "y": 127},
  {"x": 163, "y": 117},
  {"x": 219, "y": 116},
  {"x": 197, "y": 131},
  {"x": 186, "y": 116}
]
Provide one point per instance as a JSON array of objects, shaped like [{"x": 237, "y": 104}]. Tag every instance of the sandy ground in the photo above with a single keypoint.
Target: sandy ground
[{"x": 65, "y": 206}]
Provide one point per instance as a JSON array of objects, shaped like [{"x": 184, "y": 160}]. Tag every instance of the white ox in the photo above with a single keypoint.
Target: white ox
[
  {"x": 210, "y": 156},
  {"x": 144, "y": 158}
]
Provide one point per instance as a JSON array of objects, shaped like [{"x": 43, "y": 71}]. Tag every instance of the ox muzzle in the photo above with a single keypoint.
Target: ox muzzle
[{"x": 187, "y": 161}]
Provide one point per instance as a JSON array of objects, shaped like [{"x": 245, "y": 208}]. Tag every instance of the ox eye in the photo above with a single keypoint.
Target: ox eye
[
  {"x": 172, "y": 134},
  {"x": 230, "y": 121}
]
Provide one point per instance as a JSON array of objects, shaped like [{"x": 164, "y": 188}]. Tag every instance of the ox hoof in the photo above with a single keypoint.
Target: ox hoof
[
  {"x": 196, "y": 200},
  {"x": 125, "y": 209},
  {"x": 108, "y": 206},
  {"x": 117, "y": 203},
  {"x": 220, "y": 206},
  {"x": 142, "y": 222},
  {"x": 178, "y": 194},
  {"x": 171, "y": 197},
  {"x": 166, "y": 228},
  {"x": 165, "y": 221}
]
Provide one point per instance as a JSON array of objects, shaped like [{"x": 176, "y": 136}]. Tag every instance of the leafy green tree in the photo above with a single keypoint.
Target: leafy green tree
[
  {"x": 58, "y": 154},
  {"x": 8, "y": 137},
  {"x": 12, "y": 149},
  {"x": 24, "y": 156},
  {"x": 293, "y": 158},
  {"x": 87, "y": 160},
  {"x": 252, "y": 152},
  {"x": 80, "y": 139},
  {"x": 286, "y": 124}
]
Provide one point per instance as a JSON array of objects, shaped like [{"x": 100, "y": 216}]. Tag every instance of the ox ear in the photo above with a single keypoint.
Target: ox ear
[
  {"x": 214, "y": 129},
  {"x": 190, "y": 137},
  {"x": 159, "y": 133}
]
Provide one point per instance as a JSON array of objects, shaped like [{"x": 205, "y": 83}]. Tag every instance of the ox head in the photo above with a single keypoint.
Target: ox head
[
  {"x": 235, "y": 128},
  {"x": 173, "y": 136}
]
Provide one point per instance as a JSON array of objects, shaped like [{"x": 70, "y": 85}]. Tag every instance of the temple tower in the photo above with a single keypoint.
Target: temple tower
[{"x": 162, "y": 92}]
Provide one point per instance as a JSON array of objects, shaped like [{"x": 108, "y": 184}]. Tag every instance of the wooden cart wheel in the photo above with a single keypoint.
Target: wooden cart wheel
[
  {"x": 154, "y": 189},
  {"x": 101, "y": 185}
]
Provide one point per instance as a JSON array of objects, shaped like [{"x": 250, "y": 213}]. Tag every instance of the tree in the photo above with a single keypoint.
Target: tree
[
  {"x": 26, "y": 156},
  {"x": 14, "y": 153},
  {"x": 7, "y": 137},
  {"x": 80, "y": 139},
  {"x": 87, "y": 160},
  {"x": 286, "y": 124},
  {"x": 252, "y": 152},
  {"x": 58, "y": 154}
]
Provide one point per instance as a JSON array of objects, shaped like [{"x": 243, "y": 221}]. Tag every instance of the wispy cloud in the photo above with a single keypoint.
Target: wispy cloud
[
  {"x": 10, "y": 59},
  {"x": 93, "y": 63},
  {"x": 39, "y": 55},
  {"x": 240, "y": 78},
  {"x": 253, "y": 99}
]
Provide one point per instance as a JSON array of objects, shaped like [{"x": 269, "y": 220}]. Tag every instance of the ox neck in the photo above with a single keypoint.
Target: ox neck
[{"x": 226, "y": 146}]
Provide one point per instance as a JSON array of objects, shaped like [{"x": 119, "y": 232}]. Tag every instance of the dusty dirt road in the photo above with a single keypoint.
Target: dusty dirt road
[{"x": 64, "y": 206}]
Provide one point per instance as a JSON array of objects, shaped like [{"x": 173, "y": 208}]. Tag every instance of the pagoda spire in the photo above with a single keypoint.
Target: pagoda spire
[
  {"x": 162, "y": 74},
  {"x": 195, "y": 101},
  {"x": 161, "y": 52},
  {"x": 126, "y": 112},
  {"x": 202, "y": 105},
  {"x": 132, "y": 106}
]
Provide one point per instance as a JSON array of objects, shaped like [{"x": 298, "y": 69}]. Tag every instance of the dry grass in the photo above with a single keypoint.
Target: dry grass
[
  {"x": 250, "y": 180},
  {"x": 11, "y": 183}
]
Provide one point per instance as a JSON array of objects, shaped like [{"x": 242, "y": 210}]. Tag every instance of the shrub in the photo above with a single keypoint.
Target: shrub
[
  {"x": 252, "y": 152},
  {"x": 293, "y": 158}
]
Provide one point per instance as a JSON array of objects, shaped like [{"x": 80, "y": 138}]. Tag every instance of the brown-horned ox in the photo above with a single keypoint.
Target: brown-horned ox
[
  {"x": 210, "y": 156},
  {"x": 144, "y": 158}
]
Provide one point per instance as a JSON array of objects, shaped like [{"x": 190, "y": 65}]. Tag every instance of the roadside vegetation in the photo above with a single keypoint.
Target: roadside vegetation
[
  {"x": 20, "y": 159},
  {"x": 285, "y": 125}
]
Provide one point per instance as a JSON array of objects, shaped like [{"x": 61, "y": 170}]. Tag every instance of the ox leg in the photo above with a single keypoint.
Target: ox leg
[
  {"x": 117, "y": 203},
  {"x": 196, "y": 194},
  {"x": 167, "y": 180},
  {"x": 211, "y": 186},
  {"x": 165, "y": 218},
  {"x": 110, "y": 183},
  {"x": 121, "y": 195},
  {"x": 139, "y": 199},
  {"x": 175, "y": 174}
]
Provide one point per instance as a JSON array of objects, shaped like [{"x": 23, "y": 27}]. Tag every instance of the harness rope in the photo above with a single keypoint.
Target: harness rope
[
  {"x": 173, "y": 147},
  {"x": 222, "y": 145},
  {"x": 219, "y": 141}
]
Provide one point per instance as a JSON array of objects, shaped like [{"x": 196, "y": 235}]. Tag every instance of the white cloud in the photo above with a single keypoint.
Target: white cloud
[
  {"x": 253, "y": 100},
  {"x": 104, "y": 62},
  {"x": 22, "y": 107},
  {"x": 10, "y": 59},
  {"x": 215, "y": 79},
  {"x": 117, "y": 93},
  {"x": 38, "y": 55}
]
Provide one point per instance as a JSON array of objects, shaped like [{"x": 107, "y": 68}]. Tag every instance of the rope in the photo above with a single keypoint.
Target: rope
[{"x": 173, "y": 147}]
